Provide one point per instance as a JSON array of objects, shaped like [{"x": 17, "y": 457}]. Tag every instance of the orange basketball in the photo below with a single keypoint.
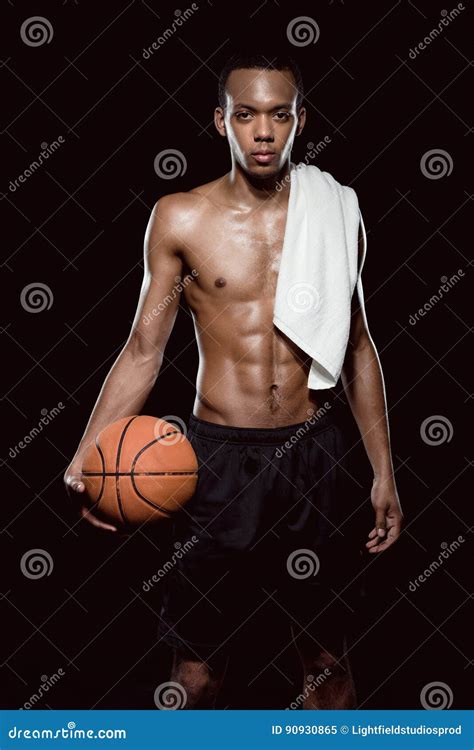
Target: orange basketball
[{"x": 139, "y": 469}]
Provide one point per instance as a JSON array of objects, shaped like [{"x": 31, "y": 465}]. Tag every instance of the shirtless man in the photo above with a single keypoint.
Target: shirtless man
[{"x": 252, "y": 395}]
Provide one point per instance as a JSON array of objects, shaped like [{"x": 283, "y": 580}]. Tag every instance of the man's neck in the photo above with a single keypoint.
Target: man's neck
[{"x": 245, "y": 190}]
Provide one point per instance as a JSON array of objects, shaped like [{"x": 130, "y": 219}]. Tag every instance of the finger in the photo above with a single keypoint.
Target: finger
[
  {"x": 372, "y": 543},
  {"x": 380, "y": 522},
  {"x": 376, "y": 536},
  {"x": 90, "y": 518},
  {"x": 75, "y": 483},
  {"x": 391, "y": 539},
  {"x": 374, "y": 539},
  {"x": 381, "y": 547},
  {"x": 394, "y": 534}
]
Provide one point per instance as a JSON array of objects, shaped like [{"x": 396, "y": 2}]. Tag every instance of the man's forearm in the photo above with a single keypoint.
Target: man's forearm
[
  {"x": 124, "y": 392},
  {"x": 364, "y": 387}
]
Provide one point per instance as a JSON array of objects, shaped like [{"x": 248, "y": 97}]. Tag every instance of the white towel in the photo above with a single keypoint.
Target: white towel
[{"x": 319, "y": 270}]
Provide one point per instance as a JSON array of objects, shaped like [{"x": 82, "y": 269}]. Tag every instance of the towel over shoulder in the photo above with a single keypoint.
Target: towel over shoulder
[{"x": 319, "y": 270}]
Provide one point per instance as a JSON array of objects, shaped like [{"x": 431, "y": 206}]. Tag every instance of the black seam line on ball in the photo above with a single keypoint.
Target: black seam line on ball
[
  {"x": 148, "y": 445},
  {"x": 136, "y": 473},
  {"x": 102, "y": 486},
  {"x": 152, "y": 442},
  {"x": 133, "y": 473},
  {"x": 117, "y": 474},
  {"x": 149, "y": 502}
]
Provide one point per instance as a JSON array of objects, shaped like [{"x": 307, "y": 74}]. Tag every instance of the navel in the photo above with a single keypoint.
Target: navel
[{"x": 220, "y": 282}]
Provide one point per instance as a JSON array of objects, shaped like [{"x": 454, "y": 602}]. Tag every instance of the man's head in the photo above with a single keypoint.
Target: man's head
[{"x": 260, "y": 110}]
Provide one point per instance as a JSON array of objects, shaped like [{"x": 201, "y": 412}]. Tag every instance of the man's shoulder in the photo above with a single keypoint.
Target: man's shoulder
[{"x": 187, "y": 204}]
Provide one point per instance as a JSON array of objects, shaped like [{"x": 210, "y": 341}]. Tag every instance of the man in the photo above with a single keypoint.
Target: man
[{"x": 258, "y": 511}]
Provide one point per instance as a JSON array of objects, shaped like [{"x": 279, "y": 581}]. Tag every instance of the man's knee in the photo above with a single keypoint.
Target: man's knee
[
  {"x": 327, "y": 654},
  {"x": 323, "y": 666},
  {"x": 200, "y": 680},
  {"x": 195, "y": 679}
]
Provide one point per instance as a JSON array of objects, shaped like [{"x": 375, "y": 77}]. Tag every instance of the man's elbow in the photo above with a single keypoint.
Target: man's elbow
[
  {"x": 361, "y": 342},
  {"x": 145, "y": 353},
  {"x": 359, "y": 345}
]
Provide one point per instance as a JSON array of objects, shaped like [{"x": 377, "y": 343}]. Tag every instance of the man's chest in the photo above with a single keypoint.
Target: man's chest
[{"x": 238, "y": 257}]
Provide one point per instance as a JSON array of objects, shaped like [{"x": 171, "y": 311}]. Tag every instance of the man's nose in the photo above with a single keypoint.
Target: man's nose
[{"x": 263, "y": 128}]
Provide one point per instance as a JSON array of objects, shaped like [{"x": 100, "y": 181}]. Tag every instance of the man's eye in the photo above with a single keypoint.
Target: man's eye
[
  {"x": 282, "y": 115},
  {"x": 241, "y": 115}
]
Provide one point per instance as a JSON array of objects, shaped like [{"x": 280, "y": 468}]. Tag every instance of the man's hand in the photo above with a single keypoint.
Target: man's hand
[
  {"x": 74, "y": 487},
  {"x": 388, "y": 516}
]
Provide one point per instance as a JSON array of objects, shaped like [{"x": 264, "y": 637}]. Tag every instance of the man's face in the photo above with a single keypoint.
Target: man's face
[{"x": 260, "y": 120}]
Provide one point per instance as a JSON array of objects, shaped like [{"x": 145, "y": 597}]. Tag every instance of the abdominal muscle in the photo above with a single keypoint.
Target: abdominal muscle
[{"x": 253, "y": 381}]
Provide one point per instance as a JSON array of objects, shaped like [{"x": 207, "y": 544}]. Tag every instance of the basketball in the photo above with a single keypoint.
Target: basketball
[{"x": 139, "y": 469}]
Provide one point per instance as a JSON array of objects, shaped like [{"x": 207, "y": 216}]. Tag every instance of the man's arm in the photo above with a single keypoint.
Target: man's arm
[
  {"x": 137, "y": 367},
  {"x": 364, "y": 387}
]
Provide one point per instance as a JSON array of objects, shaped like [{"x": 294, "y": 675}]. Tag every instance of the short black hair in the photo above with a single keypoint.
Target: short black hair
[{"x": 261, "y": 61}]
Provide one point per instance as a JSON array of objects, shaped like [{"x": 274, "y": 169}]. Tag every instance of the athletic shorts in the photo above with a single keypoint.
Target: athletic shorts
[{"x": 262, "y": 526}]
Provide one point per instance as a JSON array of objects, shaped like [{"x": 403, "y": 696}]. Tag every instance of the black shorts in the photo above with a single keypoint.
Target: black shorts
[{"x": 263, "y": 525}]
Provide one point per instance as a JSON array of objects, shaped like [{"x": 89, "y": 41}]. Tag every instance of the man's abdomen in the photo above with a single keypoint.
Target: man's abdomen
[{"x": 258, "y": 393}]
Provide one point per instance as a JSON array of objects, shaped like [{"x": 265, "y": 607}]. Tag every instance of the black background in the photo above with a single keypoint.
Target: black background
[{"x": 77, "y": 225}]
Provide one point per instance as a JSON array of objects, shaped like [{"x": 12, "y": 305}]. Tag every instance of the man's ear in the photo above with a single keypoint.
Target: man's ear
[
  {"x": 301, "y": 120},
  {"x": 219, "y": 121}
]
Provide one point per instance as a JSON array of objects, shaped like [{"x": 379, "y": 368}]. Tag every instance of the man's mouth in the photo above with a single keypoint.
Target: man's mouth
[{"x": 263, "y": 157}]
